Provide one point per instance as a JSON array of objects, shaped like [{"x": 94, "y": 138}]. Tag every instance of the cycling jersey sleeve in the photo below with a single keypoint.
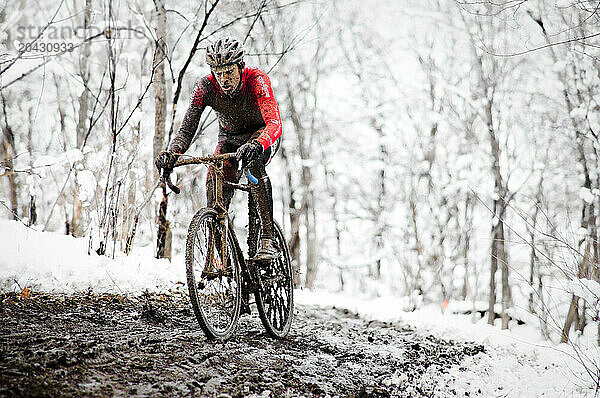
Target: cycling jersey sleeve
[
  {"x": 269, "y": 110},
  {"x": 189, "y": 125}
]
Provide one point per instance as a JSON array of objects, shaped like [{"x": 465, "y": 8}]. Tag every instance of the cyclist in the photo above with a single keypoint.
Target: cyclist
[{"x": 249, "y": 124}]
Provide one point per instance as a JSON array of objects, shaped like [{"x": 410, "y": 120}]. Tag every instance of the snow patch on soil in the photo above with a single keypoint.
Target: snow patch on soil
[
  {"x": 58, "y": 263},
  {"x": 517, "y": 363}
]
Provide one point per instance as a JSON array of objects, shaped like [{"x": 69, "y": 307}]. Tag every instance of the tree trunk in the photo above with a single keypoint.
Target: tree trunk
[
  {"x": 163, "y": 248},
  {"x": 332, "y": 192},
  {"x": 380, "y": 203},
  {"x": 570, "y": 318},
  {"x": 294, "y": 214},
  {"x": 160, "y": 86},
  {"x": 493, "y": 269},
  {"x": 588, "y": 222},
  {"x": 466, "y": 246},
  {"x": 129, "y": 241},
  {"x": 81, "y": 130},
  {"x": 533, "y": 255},
  {"x": 32, "y": 212},
  {"x": 304, "y": 147},
  {"x": 581, "y": 318},
  {"x": 499, "y": 257},
  {"x": 543, "y": 316},
  {"x": 417, "y": 282},
  {"x": 8, "y": 154},
  {"x": 32, "y": 216},
  {"x": 160, "y": 106},
  {"x": 128, "y": 223},
  {"x": 503, "y": 259},
  {"x": 309, "y": 219},
  {"x": 572, "y": 315},
  {"x": 311, "y": 241}
]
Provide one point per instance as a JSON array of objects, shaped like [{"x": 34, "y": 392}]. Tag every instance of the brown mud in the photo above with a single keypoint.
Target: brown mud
[{"x": 88, "y": 345}]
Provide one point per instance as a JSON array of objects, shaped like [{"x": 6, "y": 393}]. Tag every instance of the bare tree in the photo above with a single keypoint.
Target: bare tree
[
  {"x": 84, "y": 103},
  {"x": 374, "y": 104},
  {"x": 490, "y": 74},
  {"x": 8, "y": 154},
  {"x": 294, "y": 213},
  {"x": 574, "y": 98},
  {"x": 160, "y": 106},
  {"x": 160, "y": 86},
  {"x": 304, "y": 136}
]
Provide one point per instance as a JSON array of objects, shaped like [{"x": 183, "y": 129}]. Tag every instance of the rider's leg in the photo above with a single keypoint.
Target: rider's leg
[
  {"x": 263, "y": 197},
  {"x": 230, "y": 173}
]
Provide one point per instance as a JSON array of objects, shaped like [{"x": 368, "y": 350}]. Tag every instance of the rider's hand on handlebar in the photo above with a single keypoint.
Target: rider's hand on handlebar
[
  {"x": 166, "y": 160},
  {"x": 249, "y": 151}
]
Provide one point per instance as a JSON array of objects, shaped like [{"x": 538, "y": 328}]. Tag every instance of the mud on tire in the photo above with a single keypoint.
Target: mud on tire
[
  {"x": 275, "y": 301},
  {"x": 214, "y": 283}
]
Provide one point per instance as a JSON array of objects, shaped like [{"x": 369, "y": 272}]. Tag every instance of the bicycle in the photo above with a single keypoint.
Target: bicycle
[{"x": 220, "y": 279}]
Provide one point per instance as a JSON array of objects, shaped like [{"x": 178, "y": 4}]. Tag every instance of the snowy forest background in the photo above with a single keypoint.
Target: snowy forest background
[{"x": 433, "y": 150}]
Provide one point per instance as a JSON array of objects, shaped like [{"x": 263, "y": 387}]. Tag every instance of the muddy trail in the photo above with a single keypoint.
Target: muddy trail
[{"x": 97, "y": 346}]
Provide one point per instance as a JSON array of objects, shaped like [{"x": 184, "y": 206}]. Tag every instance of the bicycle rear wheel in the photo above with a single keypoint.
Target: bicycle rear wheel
[
  {"x": 214, "y": 283},
  {"x": 275, "y": 300}
]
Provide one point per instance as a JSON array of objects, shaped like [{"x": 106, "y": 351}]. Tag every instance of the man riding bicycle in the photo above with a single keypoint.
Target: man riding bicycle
[{"x": 249, "y": 124}]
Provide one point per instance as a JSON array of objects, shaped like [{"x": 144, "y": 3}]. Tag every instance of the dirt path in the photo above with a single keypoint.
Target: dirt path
[{"x": 87, "y": 345}]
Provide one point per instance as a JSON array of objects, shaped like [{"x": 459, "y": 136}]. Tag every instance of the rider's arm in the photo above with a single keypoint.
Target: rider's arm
[
  {"x": 268, "y": 108},
  {"x": 190, "y": 122}
]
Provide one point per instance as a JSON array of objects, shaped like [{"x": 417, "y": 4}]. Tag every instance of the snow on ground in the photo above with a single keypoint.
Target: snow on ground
[
  {"x": 58, "y": 263},
  {"x": 517, "y": 363}
]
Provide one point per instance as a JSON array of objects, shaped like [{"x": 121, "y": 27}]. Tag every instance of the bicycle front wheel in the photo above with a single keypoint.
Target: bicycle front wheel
[
  {"x": 275, "y": 297},
  {"x": 213, "y": 281}
]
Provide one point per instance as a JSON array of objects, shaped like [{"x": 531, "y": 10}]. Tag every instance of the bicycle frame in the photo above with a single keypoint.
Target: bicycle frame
[
  {"x": 271, "y": 285},
  {"x": 216, "y": 161}
]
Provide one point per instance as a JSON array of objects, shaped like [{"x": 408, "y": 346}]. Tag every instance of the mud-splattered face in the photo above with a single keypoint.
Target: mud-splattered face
[{"x": 228, "y": 78}]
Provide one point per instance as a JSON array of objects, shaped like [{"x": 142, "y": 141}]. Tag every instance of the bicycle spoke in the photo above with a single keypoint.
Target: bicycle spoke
[{"x": 200, "y": 248}]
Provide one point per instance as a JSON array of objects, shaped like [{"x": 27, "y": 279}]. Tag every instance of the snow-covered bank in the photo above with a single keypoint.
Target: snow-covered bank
[
  {"x": 517, "y": 363},
  {"x": 58, "y": 263}
]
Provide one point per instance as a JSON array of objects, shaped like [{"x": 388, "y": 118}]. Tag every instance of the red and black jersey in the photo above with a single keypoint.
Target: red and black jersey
[{"x": 250, "y": 109}]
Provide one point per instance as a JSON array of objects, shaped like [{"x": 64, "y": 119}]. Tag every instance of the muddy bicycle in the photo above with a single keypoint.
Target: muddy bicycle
[{"x": 220, "y": 279}]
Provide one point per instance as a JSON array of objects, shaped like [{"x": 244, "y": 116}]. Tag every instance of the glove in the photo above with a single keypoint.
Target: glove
[
  {"x": 166, "y": 160},
  {"x": 249, "y": 151}
]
